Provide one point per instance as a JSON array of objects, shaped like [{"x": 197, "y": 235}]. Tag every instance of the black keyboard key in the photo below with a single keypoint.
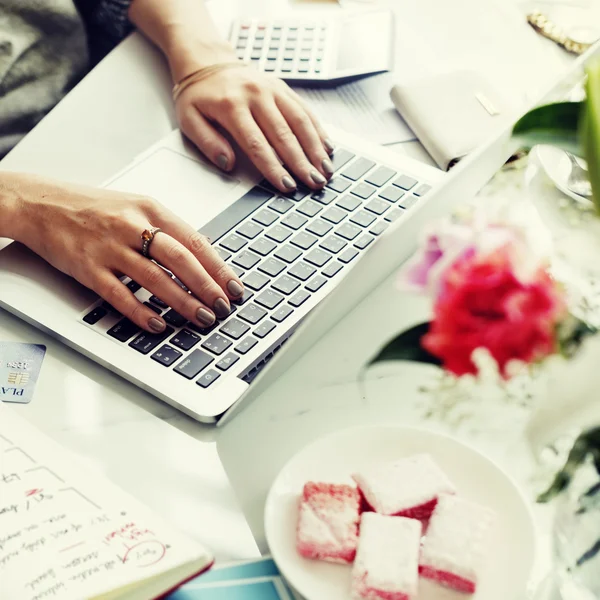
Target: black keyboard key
[
  {"x": 349, "y": 203},
  {"x": 394, "y": 215},
  {"x": 158, "y": 302},
  {"x": 264, "y": 329},
  {"x": 256, "y": 281},
  {"x": 358, "y": 168},
  {"x": 288, "y": 253},
  {"x": 240, "y": 301},
  {"x": 364, "y": 190},
  {"x": 302, "y": 271},
  {"x": 234, "y": 214},
  {"x": 339, "y": 184},
  {"x": 208, "y": 378},
  {"x": 380, "y": 176},
  {"x": 318, "y": 257},
  {"x": 227, "y": 361},
  {"x": 133, "y": 286},
  {"x": 294, "y": 221},
  {"x": 157, "y": 310},
  {"x": 246, "y": 259},
  {"x": 193, "y": 363},
  {"x": 234, "y": 328},
  {"x": 250, "y": 229},
  {"x": 364, "y": 241},
  {"x": 222, "y": 252},
  {"x": 265, "y": 217},
  {"x": 234, "y": 242},
  {"x": 299, "y": 298},
  {"x": 146, "y": 342},
  {"x": 174, "y": 318},
  {"x": 124, "y": 330},
  {"x": 216, "y": 343},
  {"x": 309, "y": 208},
  {"x": 246, "y": 345},
  {"x": 282, "y": 313},
  {"x": 110, "y": 308},
  {"x": 269, "y": 299},
  {"x": 316, "y": 283},
  {"x": 334, "y": 215},
  {"x": 377, "y": 206},
  {"x": 334, "y": 244},
  {"x": 203, "y": 330},
  {"x": 271, "y": 266},
  {"x": 348, "y": 231},
  {"x": 408, "y": 201},
  {"x": 391, "y": 194},
  {"x": 405, "y": 182},
  {"x": 363, "y": 218},
  {"x": 166, "y": 355},
  {"x": 324, "y": 196},
  {"x": 333, "y": 268},
  {"x": 319, "y": 227},
  {"x": 304, "y": 240},
  {"x": 252, "y": 314},
  {"x": 348, "y": 255},
  {"x": 262, "y": 246},
  {"x": 286, "y": 285},
  {"x": 281, "y": 205},
  {"x": 340, "y": 157},
  {"x": 185, "y": 340},
  {"x": 95, "y": 315},
  {"x": 379, "y": 228},
  {"x": 279, "y": 233},
  {"x": 422, "y": 190}
]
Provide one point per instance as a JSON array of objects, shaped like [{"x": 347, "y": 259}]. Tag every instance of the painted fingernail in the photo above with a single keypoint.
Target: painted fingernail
[
  {"x": 221, "y": 308},
  {"x": 156, "y": 325},
  {"x": 223, "y": 162},
  {"x": 288, "y": 182},
  {"x": 329, "y": 146},
  {"x": 317, "y": 177},
  {"x": 327, "y": 166},
  {"x": 205, "y": 317},
  {"x": 234, "y": 288}
]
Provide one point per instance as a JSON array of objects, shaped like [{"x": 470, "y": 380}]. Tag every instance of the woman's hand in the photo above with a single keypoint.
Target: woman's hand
[
  {"x": 94, "y": 235},
  {"x": 261, "y": 113}
]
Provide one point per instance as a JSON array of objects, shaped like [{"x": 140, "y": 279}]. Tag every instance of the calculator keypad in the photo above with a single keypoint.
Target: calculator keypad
[{"x": 292, "y": 50}]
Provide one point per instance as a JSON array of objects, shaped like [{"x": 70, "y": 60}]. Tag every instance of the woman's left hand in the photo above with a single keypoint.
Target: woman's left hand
[{"x": 266, "y": 118}]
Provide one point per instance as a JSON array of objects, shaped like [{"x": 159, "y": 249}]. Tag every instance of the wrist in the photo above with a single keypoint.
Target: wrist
[{"x": 10, "y": 207}]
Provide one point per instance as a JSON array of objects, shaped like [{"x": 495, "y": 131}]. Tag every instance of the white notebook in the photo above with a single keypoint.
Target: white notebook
[{"x": 67, "y": 532}]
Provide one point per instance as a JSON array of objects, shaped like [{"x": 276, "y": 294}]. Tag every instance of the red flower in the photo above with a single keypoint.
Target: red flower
[{"x": 484, "y": 304}]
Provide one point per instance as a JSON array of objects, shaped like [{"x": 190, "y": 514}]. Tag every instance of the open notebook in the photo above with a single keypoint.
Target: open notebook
[{"x": 69, "y": 533}]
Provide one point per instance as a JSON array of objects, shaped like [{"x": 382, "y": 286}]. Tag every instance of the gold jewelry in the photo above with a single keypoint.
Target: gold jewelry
[
  {"x": 544, "y": 26},
  {"x": 201, "y": 74},
  {"x": 147, "y": 239}
]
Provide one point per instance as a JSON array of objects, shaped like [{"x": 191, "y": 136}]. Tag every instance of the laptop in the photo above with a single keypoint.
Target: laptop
[{"x": 291, "y": 252}]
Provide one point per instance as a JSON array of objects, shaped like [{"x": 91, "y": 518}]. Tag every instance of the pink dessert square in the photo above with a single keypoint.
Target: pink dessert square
[
  {"x": 408, "y": 487},
  {"x": 387, "y": 559},
  {"x": 455, "y": 546},
  {"x": 328, "y": 522}
]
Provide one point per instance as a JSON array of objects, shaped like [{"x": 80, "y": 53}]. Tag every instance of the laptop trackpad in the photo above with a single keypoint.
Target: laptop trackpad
[{"x": 192, "y": 190}]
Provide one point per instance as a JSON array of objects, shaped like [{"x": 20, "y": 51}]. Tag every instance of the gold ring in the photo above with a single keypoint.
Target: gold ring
[{"x": 147, "y": 239}]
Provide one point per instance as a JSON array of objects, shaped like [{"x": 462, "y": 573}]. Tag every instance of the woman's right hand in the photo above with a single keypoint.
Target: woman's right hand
[{"x": 94, "y": 235}]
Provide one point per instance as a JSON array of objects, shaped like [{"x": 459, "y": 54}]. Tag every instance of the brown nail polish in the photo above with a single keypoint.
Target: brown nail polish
[
  {"x": 156, "y": 325},
  {"x": 317, "y": 177},
  {"x": 205, "y": 317},
  {"x": 327, "y": 166},
  {"x": 288, "y": 182},
  {"x": 234, "y": 288},
  {"x": 221, "y": 308},
  {"x": 222, "y": 162},
  {"x": 329, "y": 146}
]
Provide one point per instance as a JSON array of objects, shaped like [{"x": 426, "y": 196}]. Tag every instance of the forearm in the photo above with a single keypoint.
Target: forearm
[
  {"x": 184, "y": 31},
  {"x": 11, "y": 201}
]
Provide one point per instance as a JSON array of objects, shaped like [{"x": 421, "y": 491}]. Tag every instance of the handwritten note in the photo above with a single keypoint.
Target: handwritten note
[{"x": 66, "y": 533}]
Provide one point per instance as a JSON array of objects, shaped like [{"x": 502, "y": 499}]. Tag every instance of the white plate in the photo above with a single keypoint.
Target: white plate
[{"x": 334, "y": 458}]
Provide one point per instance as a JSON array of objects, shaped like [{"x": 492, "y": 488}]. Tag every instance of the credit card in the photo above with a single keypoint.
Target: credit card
[{"x": 20, "y": 366}]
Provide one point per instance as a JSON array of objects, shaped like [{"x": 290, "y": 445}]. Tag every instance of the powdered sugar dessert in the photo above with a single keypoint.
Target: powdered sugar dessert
[
  {"x": 387, "y": 560},
  {"x": 328, "y": 522},
  {"x": 408, "y": 487},
  {"x": 454, "y": 548}
]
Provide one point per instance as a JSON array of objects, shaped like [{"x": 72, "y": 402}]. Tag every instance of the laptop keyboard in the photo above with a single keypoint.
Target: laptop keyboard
[{"x": 285, "y": 249}]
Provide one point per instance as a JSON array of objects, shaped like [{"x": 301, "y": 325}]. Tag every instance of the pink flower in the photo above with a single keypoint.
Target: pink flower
[{"x": 489, "y": 300}]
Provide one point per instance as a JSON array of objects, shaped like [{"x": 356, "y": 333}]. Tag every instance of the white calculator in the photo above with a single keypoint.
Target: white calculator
[{"x": 317, "y": 50}]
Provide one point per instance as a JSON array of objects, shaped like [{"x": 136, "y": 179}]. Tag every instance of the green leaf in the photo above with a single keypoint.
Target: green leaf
[
  {"x": 554, "y": 124},
  {"x": 407, "y": 346},
  {"x": 590, "y": 128}
]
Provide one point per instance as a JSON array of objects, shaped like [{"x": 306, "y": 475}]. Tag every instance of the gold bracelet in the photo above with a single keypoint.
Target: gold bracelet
[
  {"x": 201, "y": 74},
  {"x": 544, "y": 26}
]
